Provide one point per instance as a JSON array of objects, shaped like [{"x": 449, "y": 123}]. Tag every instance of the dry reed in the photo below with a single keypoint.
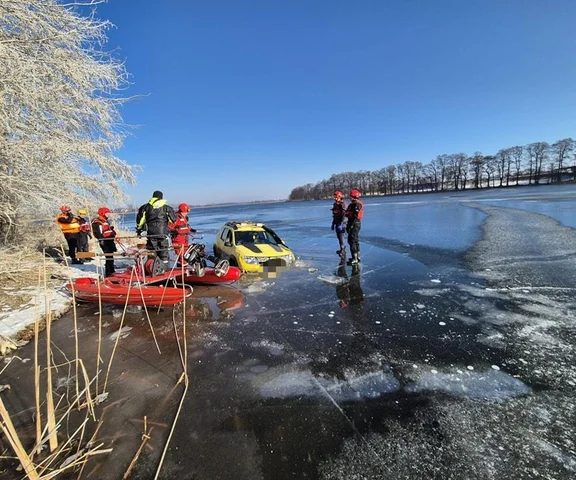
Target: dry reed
[{"x": 73, "y": 452}]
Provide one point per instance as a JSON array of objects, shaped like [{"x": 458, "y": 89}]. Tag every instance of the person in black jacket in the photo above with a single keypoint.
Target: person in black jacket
[
  {"x": 105, "y": 234},
  {"x": 338, "y": 221},
  {"x": 354, "y": 214},
  {"x": 85, "y": 230},
  {"x": 154, "y": 217}
]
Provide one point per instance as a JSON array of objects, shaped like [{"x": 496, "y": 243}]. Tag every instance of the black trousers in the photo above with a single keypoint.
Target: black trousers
[
  {"x": 83, "y": 242},
  {"x": 354, "y": 237},
  {"x": 160, "y": 246},
  {"x": 72, "y": 241},
  {"x": 108, "y": 246}
]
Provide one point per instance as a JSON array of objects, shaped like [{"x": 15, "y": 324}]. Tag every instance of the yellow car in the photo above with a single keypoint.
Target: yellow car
[{"x": 252, "y": 247}]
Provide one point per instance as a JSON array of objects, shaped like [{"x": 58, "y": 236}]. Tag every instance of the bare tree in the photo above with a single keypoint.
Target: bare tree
[
  {"x": 442, "y": 166},
  {"x": 502, "y": 164},
  {"x": 562, "y": 150},
  {"x": 477, "y": 163},
  {"x": 60, "y": 121},
  {"x": 433, "y": 174},
  {"x": 489, "y": 165},
  {"x": 517, "y": 154},
  {"x": 537, "y": 153},
  {"x": 459, "y": 163}
]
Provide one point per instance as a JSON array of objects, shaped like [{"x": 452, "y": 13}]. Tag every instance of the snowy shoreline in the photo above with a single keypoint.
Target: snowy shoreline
[{"x": 16, "y": 323}]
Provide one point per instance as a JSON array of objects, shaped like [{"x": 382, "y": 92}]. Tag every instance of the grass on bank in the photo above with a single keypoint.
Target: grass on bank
[
  {"x": 58, "y": 449},
  {"x": 20, "y": 266}
]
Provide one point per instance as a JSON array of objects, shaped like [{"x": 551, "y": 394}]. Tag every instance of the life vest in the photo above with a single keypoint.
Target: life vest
[
  {"x": 339, "y": 210},
  {"x": 68, "y": 227},
  {"x": 180, "y": 226},
  {"x": 85, "y": 227},
  {"x": 360, "y": 213},
  {"x": 105, "y": 230},
  {"x": 355, "y": 211}
]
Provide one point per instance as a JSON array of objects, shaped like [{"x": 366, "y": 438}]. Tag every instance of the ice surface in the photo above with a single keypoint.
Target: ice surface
[
  {"x": 490, "y": 384},
  {"x": 449, "y": 351},
  {"x": 332, "y": 279},
  {"x": 304, "y": 384}
]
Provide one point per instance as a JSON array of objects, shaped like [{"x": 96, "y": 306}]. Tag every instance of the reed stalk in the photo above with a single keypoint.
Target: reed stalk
[
  {"x": 41, "y": 272},
  {"x": 50, "y": 415},
  {"x": 183, "y": 350},
  {"x": 10, "y": 432},
  {"x": 118, "y": 336}
]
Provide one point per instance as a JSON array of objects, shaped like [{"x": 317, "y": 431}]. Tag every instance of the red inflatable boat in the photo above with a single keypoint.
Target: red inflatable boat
[
  {"x": 209, "y": 276},
  {"x": 120, "y": 291}
]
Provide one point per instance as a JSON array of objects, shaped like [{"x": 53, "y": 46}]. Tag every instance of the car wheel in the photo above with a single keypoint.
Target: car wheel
[{"x": 233, "y": 262}]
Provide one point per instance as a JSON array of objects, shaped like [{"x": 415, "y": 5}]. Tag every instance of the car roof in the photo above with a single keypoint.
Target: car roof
[{"x": 242, "y": 226}]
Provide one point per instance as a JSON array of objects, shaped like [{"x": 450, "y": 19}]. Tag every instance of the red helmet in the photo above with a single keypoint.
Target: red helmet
[
  {"x": 338, "y": 194},
  {"x": 65, "y": 209},
  {"x": 354, "y": 194},
  {"x": 183, "y": 207},
  {"x": 102, "y": 211}
]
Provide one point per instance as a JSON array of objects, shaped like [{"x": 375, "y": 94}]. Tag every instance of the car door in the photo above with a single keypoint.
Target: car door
[{"x": 225, "y": 243}]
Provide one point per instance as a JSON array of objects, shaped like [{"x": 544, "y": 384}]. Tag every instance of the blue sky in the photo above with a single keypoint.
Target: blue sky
[{"x": 245, "y": 100}]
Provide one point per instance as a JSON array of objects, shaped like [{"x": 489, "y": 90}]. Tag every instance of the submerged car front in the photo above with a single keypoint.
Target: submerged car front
[{"x": 258, "y": 257}]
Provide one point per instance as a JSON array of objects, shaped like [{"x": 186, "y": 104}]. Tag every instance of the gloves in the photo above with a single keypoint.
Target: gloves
[{"x": 332, "y": 227}]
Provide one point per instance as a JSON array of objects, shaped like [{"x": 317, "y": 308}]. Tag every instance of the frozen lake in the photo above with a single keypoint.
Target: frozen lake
[{"x": 450, "y": 352}]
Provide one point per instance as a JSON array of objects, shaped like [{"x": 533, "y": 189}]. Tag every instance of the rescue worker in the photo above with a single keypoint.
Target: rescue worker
[
  {"x": 84, "y": 234},
  {"x": 105, "y": 233},
  {"x": 154, "y": 217},
  {"x": 179, "y": 231},
  {"x": 354, "y": 214},
  {"x": 338, "y": 221},
  {"x": 70, "y": 226}
]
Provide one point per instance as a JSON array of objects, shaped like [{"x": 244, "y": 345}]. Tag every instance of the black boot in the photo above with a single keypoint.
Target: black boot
[{"x": 354, "y": 260}]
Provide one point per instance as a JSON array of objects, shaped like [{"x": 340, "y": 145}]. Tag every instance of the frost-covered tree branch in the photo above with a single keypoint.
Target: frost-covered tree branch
[{"x": 60, "y": 122}]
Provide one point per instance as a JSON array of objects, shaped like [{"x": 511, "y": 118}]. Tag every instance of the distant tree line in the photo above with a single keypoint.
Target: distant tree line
[{"x": 531, "y": 164}]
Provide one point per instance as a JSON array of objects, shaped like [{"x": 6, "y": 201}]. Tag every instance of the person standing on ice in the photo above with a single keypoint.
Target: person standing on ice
[
  {"x": 154, "y": 217},
  {"x": 84, "y": 234},
  {"x": 180, "y": 230},
  {"x": 354, "y": 214},
  {"x": 105, "y": 234},
  {"x": 70, "y": 226},
  {"x": 338, "y": 220}
]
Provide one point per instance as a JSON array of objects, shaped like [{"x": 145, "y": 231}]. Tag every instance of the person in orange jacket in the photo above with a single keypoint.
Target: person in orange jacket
[
  {"x": 70, "y": 226},
  {"x": 105, "y": 234},
  {"x": 180, "y": 230}
]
